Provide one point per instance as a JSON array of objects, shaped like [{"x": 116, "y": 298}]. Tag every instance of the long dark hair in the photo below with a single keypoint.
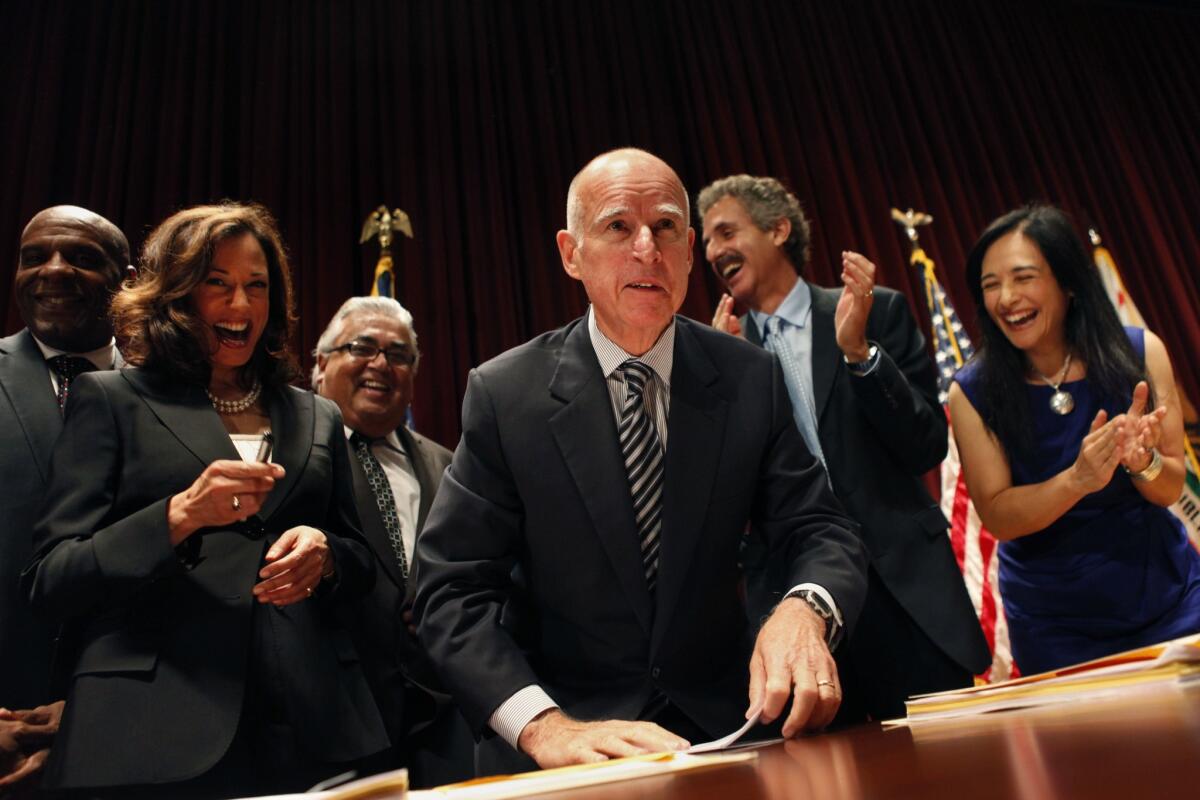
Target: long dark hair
[
  {"x": 155, "y": 318},
  {"x": 1093, "y": 331}
]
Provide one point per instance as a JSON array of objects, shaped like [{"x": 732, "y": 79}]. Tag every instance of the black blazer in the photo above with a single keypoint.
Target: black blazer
[
  {"x": 394, "y": 660},
  {"x": 163, "y": 633},
  {"x": 880, "y": 434},
  {"x": 29, "y": 425},
  {"x": 538, "y": 482}
]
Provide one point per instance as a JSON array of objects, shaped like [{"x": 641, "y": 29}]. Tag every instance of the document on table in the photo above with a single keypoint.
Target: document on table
[{"x": 726, "y": 741}]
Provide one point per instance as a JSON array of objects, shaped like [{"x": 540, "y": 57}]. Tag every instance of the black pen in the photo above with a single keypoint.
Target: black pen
[{"x": 264, "y": 448}]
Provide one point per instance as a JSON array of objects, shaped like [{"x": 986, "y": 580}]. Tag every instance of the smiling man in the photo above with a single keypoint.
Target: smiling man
[
  {"x": 864, "y": 396},
  {"x": 366, "y": 361},
  {"x": 70, "y": 263},
  {"x": 598, "y": 499}
]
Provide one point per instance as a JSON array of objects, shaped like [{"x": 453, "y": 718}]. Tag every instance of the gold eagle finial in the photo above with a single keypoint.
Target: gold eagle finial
[{"x": 381, "y": 223}]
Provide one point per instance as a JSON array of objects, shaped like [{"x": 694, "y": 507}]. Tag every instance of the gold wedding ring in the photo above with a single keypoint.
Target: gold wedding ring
[
  {"x": 237, "y": 504},
  {"x": 824, "y": 683}
]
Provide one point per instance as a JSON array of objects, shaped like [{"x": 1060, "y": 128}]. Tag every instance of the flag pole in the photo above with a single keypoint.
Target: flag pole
[
  {"x": 974, "y": 548},
  {"x": 380, "y": 224}
]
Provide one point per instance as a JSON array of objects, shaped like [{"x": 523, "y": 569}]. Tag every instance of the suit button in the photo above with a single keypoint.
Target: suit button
[
  {"x": 654, "y": 673},
  {"x": 253, "y": 528}
]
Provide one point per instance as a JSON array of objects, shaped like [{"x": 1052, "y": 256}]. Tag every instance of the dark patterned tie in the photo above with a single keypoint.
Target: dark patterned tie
[
  {"x": 643, "y": 462},
  {"x": 384, "y": 498},
  {"x": 68, "y": 368}
]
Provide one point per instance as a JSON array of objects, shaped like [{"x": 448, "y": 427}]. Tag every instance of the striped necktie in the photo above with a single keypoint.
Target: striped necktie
[{"x": 643, "y": 455}]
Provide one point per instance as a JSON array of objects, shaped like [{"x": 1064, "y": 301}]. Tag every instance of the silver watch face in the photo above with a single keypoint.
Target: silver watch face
[{"x": 817, "y": 605}]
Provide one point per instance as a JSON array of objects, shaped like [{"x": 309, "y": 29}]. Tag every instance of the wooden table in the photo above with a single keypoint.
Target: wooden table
[{"x": 1140, "y": 746}]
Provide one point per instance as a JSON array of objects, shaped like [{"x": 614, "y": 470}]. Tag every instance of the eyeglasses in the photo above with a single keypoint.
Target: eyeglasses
[{"x": 396, "y": 356}]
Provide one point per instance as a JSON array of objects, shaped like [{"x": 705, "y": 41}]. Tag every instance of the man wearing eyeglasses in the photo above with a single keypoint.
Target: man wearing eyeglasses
[{"x": 366, "y": 361}]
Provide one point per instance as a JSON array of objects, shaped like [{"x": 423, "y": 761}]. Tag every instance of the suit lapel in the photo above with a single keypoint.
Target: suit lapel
[
  {"x": 826, "y": 357},
  {"x": 186, "y": 412},
  {"x": 427, "y": 480},
  {"x": 293, "y": 421},
  {"x": 586, "y": 434},
  {"x": 26, "y": 381},
  {"x": 424, "y": 471},
  {"x": 750, "y": 330},
  {"x": 695, "y": 429}
]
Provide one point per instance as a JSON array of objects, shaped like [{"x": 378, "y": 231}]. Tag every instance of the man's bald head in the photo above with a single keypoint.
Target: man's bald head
[
  {"x": 71, "y": 262},
  {"x": 106, "y": 234},
  {"x": 625, "y": 157}
]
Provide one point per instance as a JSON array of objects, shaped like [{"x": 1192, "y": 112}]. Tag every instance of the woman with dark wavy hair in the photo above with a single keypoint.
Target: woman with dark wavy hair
[
  {"x": 1071, "y": 438},
  {"x": 202, "y": 582}
]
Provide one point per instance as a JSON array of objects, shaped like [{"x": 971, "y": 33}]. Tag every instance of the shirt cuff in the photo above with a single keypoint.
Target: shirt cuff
[
  {"x": 832, "y": 632},
  {"x": 518, "y": 711},
  {"x": 822, "y": 592}
]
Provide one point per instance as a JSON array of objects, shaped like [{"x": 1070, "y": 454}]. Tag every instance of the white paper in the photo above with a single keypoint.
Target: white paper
[{"x": 725, "y": 741}]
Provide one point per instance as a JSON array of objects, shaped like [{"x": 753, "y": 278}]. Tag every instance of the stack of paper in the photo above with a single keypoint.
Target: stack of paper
[
  {"x": 393, "y": 785},
  {"x": 1176, "y": 662}
]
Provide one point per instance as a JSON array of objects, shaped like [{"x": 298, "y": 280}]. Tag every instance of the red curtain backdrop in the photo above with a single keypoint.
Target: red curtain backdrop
[{"x": 473, "y": 116}]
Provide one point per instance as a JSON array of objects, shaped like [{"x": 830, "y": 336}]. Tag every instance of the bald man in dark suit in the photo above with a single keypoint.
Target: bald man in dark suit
[{"x": 70, "y": 263}]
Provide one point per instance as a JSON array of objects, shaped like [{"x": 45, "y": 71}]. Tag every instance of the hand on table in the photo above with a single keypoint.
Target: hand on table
[
  {"x": 791, "y": 660},
  {"x": 555, "y": 740}
]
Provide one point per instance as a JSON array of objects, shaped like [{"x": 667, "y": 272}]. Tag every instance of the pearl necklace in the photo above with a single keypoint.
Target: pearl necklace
[{"x": 230, "y": 407}]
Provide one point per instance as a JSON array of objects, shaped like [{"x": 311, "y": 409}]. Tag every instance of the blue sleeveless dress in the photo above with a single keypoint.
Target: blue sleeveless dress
[{"x": 1113, "y": 573}]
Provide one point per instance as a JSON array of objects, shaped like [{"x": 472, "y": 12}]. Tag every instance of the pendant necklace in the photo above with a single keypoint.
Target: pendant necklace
[{"x": 1061, "y": 402}]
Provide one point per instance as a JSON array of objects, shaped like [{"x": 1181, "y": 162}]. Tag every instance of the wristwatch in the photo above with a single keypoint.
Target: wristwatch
[
  {"x": 833, "y": 629},
  {"x": 863, "y": 367}
]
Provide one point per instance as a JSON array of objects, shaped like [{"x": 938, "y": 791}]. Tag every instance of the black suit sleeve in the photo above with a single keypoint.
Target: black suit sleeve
[
  {"x": 800, "y": 519},
  {"x": 899, "y": 398},
  {"x": 83, "y": 560},
  {"x": 354, "y": 562},
  {"x": 466, "y": 555}
]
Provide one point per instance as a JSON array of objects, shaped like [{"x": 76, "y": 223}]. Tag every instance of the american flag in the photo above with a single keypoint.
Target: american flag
[
  {"x": 974, "y": 547},
  {"x": 384, "y": 283}
]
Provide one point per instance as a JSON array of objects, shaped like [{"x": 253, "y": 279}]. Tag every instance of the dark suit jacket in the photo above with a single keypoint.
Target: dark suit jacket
[
  {"x": 29, "y": 426},
  {"x": 163, "y": 633},
  {"x": 879, "y": 435},
  {"x": 538, "y": 482},
  {"x": 394, "y": 660}
]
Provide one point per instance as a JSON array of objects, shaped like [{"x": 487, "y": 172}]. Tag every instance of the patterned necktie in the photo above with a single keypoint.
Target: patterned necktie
[
  {"x": 383, "y": 497},
  {"x": 68, "y": 368},
  {"x": 803, "y": 408},
  {"x": 643, "y": 462}
]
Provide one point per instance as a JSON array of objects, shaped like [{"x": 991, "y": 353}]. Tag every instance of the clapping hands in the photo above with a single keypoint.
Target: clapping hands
[
  {"x": 1126, "y": 439},
  {"x": 1144, "y": 430}
]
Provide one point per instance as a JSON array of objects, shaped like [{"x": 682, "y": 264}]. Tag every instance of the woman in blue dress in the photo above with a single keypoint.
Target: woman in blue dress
[{"x": 1071, "y": 438}]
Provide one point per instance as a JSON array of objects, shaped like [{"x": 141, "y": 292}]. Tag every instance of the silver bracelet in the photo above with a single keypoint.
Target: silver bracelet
[{"x": 1152, "y": 470}]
